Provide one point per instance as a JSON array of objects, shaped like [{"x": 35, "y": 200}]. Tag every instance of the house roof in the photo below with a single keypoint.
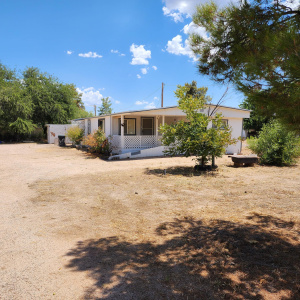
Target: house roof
[{"x": 160, "y": 108}]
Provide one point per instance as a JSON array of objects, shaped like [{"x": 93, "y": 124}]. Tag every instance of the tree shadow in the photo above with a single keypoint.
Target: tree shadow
[
  {"x": 198, "y": 260},
  {"x": 183, "y": 171}
]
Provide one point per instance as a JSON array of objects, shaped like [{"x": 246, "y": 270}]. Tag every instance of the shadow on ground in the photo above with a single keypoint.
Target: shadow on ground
[
  {"x": 183, "y": 171},
  {"x": 215, "y": 260}
]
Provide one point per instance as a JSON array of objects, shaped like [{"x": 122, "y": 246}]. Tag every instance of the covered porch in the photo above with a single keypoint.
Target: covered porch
[{"x": 132, "y": 132}]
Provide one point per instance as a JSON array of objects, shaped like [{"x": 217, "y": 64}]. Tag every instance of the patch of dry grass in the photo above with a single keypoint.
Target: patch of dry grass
[{"x": 231, "y": 233}]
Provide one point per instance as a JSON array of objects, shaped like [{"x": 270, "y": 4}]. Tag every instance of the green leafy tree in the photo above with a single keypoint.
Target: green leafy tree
[
  {"x": 193, "y": 137},
  {"x": 254, "y": 45},
  {"x": 54, "y": 102},
  {"x": 82, "y": 113},
  {"x": 256, "y": 120},
  {"x": 16, "y": 108},
  {"x": 105, "y": 108},
  {"x": 34, "y": 99},
  {"x": 276, "y": 145}
]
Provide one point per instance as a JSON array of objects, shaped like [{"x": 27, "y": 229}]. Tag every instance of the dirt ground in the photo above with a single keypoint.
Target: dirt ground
[{"x": 77, "y": 227}]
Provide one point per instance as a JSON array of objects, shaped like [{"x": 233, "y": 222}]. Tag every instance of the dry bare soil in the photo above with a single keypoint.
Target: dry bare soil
[{"x": 77, "y": 227}]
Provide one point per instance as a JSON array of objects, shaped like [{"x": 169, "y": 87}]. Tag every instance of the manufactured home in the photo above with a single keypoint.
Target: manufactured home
[{"x": 136, "y": 133}]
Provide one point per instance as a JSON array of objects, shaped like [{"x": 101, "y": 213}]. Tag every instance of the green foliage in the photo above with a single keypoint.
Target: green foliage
[
  {"x": 54, "y": 102},
  {"x": 16, "y": 108},
  {"x": 34, "y": 99},
  {"x": 275, "y": 145},
  {"x": 256, "y": 120},
  {"x": 193, "y": 137},
  {"x": 254, "y": 45},
  {"x": 105, "y": 108},
  {"x": 22, "y": 126},
  {"x": 75, "y": 134},
  {"x": 98, "y": 142},
  {"x": 82, "y": 113}
]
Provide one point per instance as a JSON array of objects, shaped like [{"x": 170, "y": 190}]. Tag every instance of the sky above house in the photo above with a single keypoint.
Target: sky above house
[{"x": 120, "y": 49}]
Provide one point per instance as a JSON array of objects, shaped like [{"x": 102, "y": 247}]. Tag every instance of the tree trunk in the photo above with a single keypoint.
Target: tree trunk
[
  {"x": 202, "y": 161},
  {"x": 213, "y": 161}
]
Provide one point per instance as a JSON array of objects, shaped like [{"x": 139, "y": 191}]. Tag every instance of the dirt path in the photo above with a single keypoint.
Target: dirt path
[
  {"x": 32, "y": 259},
  {"x": 76, "y": 227}
]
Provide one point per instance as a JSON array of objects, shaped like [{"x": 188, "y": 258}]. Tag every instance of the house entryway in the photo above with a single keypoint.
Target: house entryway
[{"x": 147, "y": 125}]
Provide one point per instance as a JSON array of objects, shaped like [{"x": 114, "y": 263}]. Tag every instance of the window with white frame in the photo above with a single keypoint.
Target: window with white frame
[
  {"x": 225, "y": 123},
  {"x": 129, "y": 126}
]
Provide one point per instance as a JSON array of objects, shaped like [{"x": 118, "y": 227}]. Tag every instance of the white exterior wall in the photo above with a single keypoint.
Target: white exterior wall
[
  {"x": 115, "y": 126},
  {"x": 80, "y": 123},
  {"x": 236, "y": 126},
  {"x": 94, "y": 124},
  {"x": 107, "y": 129},
  {"x": 54, "y": 130},
  {"x": 86, "y": 127}
]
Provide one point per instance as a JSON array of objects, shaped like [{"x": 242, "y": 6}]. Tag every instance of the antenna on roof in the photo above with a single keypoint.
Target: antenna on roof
[{"x": 162, "y": 94}]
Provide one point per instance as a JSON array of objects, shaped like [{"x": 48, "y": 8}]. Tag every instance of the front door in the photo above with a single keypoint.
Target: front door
[{"x": 147, "y": 126}]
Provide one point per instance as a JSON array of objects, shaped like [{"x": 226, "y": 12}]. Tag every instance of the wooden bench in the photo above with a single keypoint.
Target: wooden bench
[{"x": 244, "y": 160}]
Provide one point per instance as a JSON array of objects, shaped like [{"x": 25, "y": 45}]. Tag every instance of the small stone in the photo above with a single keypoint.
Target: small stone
[{"x": 136, "y": 193}]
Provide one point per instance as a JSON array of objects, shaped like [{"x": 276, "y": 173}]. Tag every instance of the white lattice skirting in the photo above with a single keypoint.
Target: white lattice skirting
[{"x": 136, "y": 141}]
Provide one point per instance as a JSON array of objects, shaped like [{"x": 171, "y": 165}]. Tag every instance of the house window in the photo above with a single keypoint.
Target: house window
[
  {"x": 147, "y": 126},
  {"x": 101, "y": 124},
  {"x": 129, "y": 127},
  {"x": 225, "y": 123}
]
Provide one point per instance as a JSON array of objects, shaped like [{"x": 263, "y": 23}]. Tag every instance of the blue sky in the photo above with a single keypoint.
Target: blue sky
[{"x": 118, "y": 49}]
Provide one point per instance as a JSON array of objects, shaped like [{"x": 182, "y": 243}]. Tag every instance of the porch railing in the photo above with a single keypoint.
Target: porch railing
[{"x": 136, "y": 141}]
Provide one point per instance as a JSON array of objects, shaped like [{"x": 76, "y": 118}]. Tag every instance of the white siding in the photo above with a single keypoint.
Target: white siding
[
  {"x": 54, "y": 130},
  {"x": 236, "y": 127}
]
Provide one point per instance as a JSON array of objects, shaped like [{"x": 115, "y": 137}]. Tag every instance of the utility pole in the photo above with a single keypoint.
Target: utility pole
[
  {"x": 162, "y": 94},
  {"x": 95, "y": 109}
]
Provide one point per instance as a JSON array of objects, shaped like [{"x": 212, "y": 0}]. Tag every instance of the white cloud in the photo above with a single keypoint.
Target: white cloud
[
  {"x": 69, "y": 52},
  {"x": 181, "y": 9},
  {"x": 138, "y": 76},
  {"x": 90, "y": 54},
  {"x": 192, "y": 28},
  {"x": 144, "y": 71},
  {"x": 117, "y": 52},
  {"x": 141, "y": 102},
  {"x": 154, "y": 68},
  {"x": 155, "y": 98},
  {"x": 140, "y": 55},
  {"x": 176, "y": 46},
  {"x": 150, "y": 105},
  {"x": 177, "y": 17},
  {"x": 117, "y": 102},
  {"x": 90, "y": 96}
]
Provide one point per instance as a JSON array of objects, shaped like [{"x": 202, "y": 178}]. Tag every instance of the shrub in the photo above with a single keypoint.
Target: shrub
[
  {"x": 98, "y": 142},
  {"x": 194, "y": 138},
  {"x": 75, "y": 134},
  {"x": 275, "y": 145}
]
